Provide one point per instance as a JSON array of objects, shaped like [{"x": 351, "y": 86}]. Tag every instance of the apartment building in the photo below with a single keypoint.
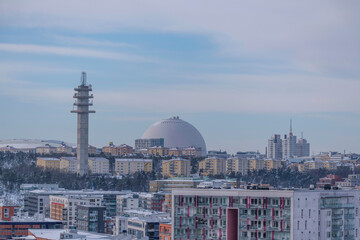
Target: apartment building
[
  {"x": 265, "y": 214},
  {"x": 147, "y": 143},
  {"x": 120, "y": 150},
  {"x": 169, "y": 184},
  {"x": 126, "y": 202},
  {"x": 64, "y": 208},
  {"x": 237, "y": 165},
  {"x": 270, "y": 164},
  {"x": 68, "y": 164},
  {"x": 256, "y": 164},
  {"x": 125, "y": 166},
  {"x": 158, "y": 151},
  {"x": 192, "y": 152},
  {"x": 48, "y": 163},
  {"x": 212, "y": 166},
  {"x": 99, "y": 165},
  {"x": 174, "y": 152},
  {"x": 7, "y": 211},
  {"x": 90, "y": 218},
  {"x": 38, "y": 201},
  {"x": 176, "y": 167},
  {"x": 165, "y": 231}
]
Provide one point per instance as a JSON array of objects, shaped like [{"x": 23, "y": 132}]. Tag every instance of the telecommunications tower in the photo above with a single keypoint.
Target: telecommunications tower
[{"x": 83, "y": 102}]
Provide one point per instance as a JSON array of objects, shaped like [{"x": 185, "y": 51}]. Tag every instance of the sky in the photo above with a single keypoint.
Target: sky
[{"x": 236, "y": 70}]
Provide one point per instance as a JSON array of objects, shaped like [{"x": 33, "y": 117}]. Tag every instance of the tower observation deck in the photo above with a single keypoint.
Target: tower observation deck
[{"x": 82, "y": 103}]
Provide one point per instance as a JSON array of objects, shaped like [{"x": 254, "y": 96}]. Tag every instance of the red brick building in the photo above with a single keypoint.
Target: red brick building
[{"x": 6, "y": 212}]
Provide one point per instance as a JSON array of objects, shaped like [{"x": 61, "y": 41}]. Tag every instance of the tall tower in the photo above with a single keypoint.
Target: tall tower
[{"x": 82, "y": 102}]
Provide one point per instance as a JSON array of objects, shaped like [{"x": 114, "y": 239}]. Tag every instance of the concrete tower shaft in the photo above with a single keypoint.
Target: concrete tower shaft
[{"x": 82, "y": 103}]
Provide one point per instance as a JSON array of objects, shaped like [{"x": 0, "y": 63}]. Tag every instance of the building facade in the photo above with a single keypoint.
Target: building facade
[
  {"x": 274, "y": 149},
  {"x": 48, "y": 163},
  {"x": 237, "y": 165},
  {"x": 99, "y": 165},
  {"x": 148, "y": 143},
  {"x": 176, "y": 167},
  {"x": 125, "y": 166},
  {"x": 212, "y": 166},
  {"x": 91, "y": 218},
  {"x": 265, "y": 214},
  {"x": 302, "y": 148},
  {"x": 68, "y": 164}
]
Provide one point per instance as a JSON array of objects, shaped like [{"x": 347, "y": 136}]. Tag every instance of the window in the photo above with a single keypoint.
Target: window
[{"x": 6, "y": 212}]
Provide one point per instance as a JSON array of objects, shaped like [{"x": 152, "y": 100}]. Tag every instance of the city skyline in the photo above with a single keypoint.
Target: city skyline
[{"x": 237, "y": 85}]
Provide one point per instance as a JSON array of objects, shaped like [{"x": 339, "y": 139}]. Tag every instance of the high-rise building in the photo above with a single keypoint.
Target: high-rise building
[
  {"x": 289, "y": 144},
  {"x": 302, "y": 148},
  {"x": 274, "y": 150},
  {"x": 82, "y": 102}
]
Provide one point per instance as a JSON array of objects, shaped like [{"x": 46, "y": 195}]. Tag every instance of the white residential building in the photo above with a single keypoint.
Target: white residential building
[
  {"x": 265, "y": 214},
  {"x": 99, "y": 165},
  {"x": 126, "y": 202}
]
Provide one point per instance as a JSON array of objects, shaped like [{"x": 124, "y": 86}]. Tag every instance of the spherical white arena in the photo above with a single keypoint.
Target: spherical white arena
[{"x": 176, "y": 133}]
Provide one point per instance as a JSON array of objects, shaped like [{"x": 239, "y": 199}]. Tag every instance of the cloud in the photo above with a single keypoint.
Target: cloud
[
  {"x": 237, "y": 94},
  {"x": 259, "y": 95},
  {"x": 320, "y": 37},
  {"x": 73, "y": 52},
  {"x": 91, "y": 42}
]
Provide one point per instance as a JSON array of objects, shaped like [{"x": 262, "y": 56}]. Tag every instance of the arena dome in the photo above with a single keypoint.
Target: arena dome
[{"x": 176, "y": 133}]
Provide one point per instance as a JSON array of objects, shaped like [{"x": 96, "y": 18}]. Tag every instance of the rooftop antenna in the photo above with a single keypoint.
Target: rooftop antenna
[
  {"x": 302, "y": 136},
  {"x": 83, "y": 79},
  {"x": 290, "y": 126}
]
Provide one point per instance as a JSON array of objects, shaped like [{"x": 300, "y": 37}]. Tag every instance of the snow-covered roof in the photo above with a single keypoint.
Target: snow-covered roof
[
  {"x": 32, "y": 143},
  {"x": 132, "y": 160}
]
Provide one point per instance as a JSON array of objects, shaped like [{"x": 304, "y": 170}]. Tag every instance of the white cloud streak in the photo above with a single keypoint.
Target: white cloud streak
[
  {"x": 72, "y": 52},
  {"x": 258, "y": 95},
  {"x": 320, "y": 37},
  {"x": 91, "y": 42}
]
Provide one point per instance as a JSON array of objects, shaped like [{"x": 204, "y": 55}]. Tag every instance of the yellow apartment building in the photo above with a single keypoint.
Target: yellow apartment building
[
  {"x": 158, "y": 151},
  {"x": 68, "y": 164},
  {"x": 256, "y": 164},
  {"x": 48, "y": 163},
  {"x": 175, "y": 152},
  {"x": 176, "y": 167},
  {"x": 272, "y": 164},
  {"x": 237, "y": 165},
  {"x": 212, "y": 166},
  {"x": 124, "y": 166}
]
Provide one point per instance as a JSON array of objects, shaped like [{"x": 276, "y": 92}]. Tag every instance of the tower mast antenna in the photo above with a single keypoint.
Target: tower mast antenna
[
  {"x": 82, "y": 104},
  {"x": 83, "y": 79}
]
